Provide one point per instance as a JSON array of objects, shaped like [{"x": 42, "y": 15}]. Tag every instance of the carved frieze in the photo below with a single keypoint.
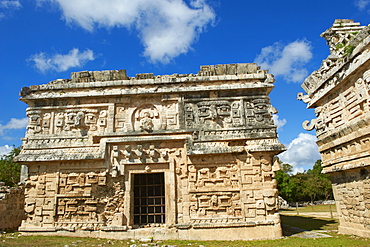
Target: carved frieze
[
  {"x": 215, "y": 205},
  {"x": 146, "y": 118},
  {"x": 224, "y": 114},
  {"x": 76, "y": 121},
  {"x": 348, "y": 102},
  {"x": 209, "y": 178}
]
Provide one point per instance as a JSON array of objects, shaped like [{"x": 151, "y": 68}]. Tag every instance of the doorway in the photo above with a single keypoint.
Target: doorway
[{"x": 149, "y": 198}]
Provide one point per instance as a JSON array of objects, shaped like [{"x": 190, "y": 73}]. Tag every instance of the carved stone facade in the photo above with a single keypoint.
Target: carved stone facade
[
  {"x": 170, "y": 157},
  {"x": 340, "y": 93}
]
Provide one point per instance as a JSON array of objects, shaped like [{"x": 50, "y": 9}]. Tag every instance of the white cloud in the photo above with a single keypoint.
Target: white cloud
[
  {"x": 11, "y": 4},
  {"x": 278, "y": 122},
  {"x": 361, "y": 4},
  {"x": 61, "y": 62},
  {"x": 8, "y": 6},
  {"x": 5, "y": 149},
  {"x": 287, "y": 61},
  {"x": 167, "y": 28},
  {"x": 14, "y": 123},
  {"x": 302, "y": 153}
]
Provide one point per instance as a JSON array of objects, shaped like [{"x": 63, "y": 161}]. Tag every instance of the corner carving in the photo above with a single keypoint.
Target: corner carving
[{"x": 309, "y": 125}]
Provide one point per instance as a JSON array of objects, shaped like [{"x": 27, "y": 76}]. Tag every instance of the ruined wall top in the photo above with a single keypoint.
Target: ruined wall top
[
  {"x": 340, "y": 93},
  {"x": 116, "y": 82},
  {"x": 206, "y": 70},
  {"x": 341, "y": 35},
  {"x": 347, "y": 40},
  {"x": 120, "y": 78}
]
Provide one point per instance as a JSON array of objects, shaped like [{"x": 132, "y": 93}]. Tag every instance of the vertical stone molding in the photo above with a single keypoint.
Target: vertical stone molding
[
  {"x": 339, "y": 92},
  {"x": 169, "y": 157}
]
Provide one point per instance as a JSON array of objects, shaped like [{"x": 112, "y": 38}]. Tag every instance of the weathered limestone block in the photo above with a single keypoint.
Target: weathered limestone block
[
  {"x": 11, "y": 207},
  {"x": 339, "y": 92},
  {"x": 173, "y": 156}
]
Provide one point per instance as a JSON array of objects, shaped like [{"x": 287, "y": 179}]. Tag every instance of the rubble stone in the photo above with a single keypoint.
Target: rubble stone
[{"x": 11, "y": 207}]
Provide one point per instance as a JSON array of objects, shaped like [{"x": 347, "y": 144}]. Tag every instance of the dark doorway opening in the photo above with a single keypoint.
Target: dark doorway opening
[{"x": 149, "y": 198}]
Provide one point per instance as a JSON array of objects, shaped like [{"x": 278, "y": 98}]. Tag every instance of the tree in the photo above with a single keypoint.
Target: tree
[
  {"x": 286, "y": 168},
  {"x": 287, "y": 184},
  {"x": 310, "y": 185},
  {"x": 9, "y": 171},
  {"x": 322, "y": 181},
  {"x": 283, "y": 180}
]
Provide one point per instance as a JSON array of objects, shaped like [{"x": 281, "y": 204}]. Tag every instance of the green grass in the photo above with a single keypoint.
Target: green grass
[
  {"x": 336, "y": 240},
  {"x": 290, "y": 225}
]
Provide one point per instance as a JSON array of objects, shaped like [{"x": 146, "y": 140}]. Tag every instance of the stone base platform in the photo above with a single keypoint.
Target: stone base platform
[
  {"x": 241, "y": 233},
  {"x": 354, "y": 231}
]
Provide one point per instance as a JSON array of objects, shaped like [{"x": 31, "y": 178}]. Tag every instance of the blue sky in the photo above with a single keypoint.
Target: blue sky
[{"x": 43, "y": 40}]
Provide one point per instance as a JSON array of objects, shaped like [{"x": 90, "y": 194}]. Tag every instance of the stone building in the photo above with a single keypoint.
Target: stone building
[
  {"x": 169, "y": 157},
  {"x": 340, "y": 93}
]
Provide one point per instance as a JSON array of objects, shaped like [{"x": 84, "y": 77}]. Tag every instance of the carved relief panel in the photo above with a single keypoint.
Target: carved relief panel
[
  {"x": 258, "y": 112},
  {"x": 73, "y": 200},
  {"x": 229, "y": 113},
  {"x": 214, "y": 205},
  {"x": 209, "y": 114},
  {"x": 122, "y": 120},
  {"x": 84, "y": 120},
  {"x": 40, "y": 191},
  {"x": 236, "y": 191},
  {"x": 34, "y": 122},
  {"x": 146, "y": 117},
  {"x": 70, "y": 121},
  {"x": 345, "y": 105},
  {"x": 208, "y": 177},
  {"x": 149, "y": 153}
]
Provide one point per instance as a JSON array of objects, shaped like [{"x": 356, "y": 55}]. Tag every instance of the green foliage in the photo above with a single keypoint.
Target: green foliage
[
  {"x": 310, "y": 185},
  {"x": 289, "y": 186},
  {"x": 348, "y": 49},
  {"x": 286, "y": 168},
  {"x": 9, "y": 171},
  {"x": 339, "y": 46}
]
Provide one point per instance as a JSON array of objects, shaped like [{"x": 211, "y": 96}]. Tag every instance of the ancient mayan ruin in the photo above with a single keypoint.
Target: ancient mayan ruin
[
  {"x": 168, "y": 157},
  {"x": 11, "y": 207},
  {"x": 340, "y": 93}
]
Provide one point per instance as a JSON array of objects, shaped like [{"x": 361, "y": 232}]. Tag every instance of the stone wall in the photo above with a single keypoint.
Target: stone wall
[
  {"x": 352, "y": 195},
  {"x": 11, "y": 207},
  {"x": 170, "y": 157},
  {"x": 340, "y": 93}
]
